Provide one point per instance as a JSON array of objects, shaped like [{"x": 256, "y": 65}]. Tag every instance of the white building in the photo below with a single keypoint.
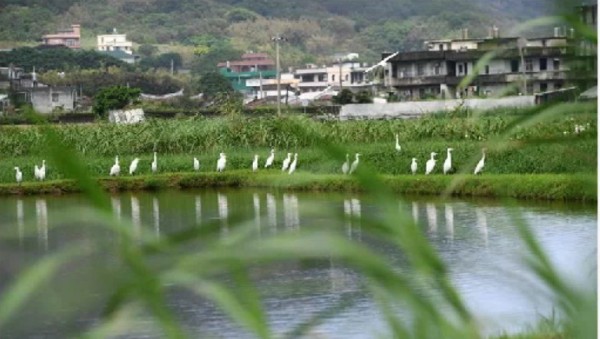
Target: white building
[{"x": 114, "y": 42}]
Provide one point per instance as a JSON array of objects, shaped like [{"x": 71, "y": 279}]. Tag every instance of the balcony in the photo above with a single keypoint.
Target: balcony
[{"x": 416, "y": 80}]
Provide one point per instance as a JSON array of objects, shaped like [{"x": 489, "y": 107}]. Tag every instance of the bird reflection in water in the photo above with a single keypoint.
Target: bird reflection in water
[
  {"x": 116, "y": 207},
  {"x": 20, "y": 221},
  {"x": 198, "y": 208},
  {"x": 136, "y": 218},
  {"x": 223, "y": 211},
  {"x": 352, "y": 213},
  {"x": 41, "y": 213},
  {"x": 256, "y": 202},
  {"x": 431, "y": 218},
  {"x": 415, "y": 211},
  {"x": 290, "y": 211},
  {"x": 482, "y": 225},
  {"x": 272, "y": 212},
  {"x": 449, "y": 213},
  {"x": 156, "y": 215}
]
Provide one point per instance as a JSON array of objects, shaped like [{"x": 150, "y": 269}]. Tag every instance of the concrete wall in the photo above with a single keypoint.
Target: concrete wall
[
  {"x": 412, "y": 109},
  {"x": 43, "y": 101}
]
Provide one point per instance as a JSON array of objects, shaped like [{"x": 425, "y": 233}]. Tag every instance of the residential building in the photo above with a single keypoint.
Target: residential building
[
  {"x": 346, "y": 74},
  {"x": 115, "y": 42},
  {"x": 312, "y": 78},
  {"x": 252, "y": 66},
  {"x": 533, "y": 66},
  {"x": 267, "y": 88},
  {"x": 121, "y": 55},
  {"x": 48, "y": 99},
  {"x": 70, "y": 37}
]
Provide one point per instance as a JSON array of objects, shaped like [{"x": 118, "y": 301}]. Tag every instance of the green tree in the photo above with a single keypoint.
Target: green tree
[
  {"x": 147, "y": 50},
  {"x": 115, "y": 97},
  {"x": 213, "y": 83},
  {"x": 343, "y": 97},
  {"x": 364, "y": 97}
]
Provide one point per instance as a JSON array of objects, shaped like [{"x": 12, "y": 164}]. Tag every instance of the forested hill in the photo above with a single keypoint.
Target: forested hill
[{"x": 315, "y": 28}]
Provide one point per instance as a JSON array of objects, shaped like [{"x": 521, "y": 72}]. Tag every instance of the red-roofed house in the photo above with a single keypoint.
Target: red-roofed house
[
  {"x": 251, "y": 62},
  {"x": 67, "y": 37}
]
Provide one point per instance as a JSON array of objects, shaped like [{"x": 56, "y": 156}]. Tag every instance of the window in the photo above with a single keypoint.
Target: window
[
  {"x": 543, "y": 64},
  {"x": 420, "y": 69},
  {"x": 460, "y": 68},
  {"x": 436, "y": 69},
  {"x": 54, "y": 97},
  {"x": 441, "y": 47},
  {"x": 528, "y": 65},
  {"x": 514, "y": 65},
  {"x": 487, "y": 69},
  {"x": 556, "y": 64},
  {"x": 346, "y": 77},
  {"x": 543, "y": 87},
  {"x": 333, "y": 77}
]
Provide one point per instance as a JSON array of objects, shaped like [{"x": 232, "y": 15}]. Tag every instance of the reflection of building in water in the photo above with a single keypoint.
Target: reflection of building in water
[
  {"x": 223, "y": 211},
  {"x": 415, "y": 211},
  {"x": 449, "y": 212},
  {"x": 41, "y": 213},
  {"x": 116, "y": 207},
  {"x": 136, "y": 218},
  {"x": 482, "y": 225},
  {"x": 431, "y": 218},
  {"x": 256, "y": 201},
  {"x": 272, "y": 212},
  {"x": 156, "y": 215},
  {"x": 198, "y": 207},
  {"x": 290, "y": 211},
  {"x": 20, "y": 220}
]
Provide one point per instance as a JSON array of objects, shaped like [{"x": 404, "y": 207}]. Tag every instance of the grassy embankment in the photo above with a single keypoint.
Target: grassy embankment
[{"x": 564, "y": 163}]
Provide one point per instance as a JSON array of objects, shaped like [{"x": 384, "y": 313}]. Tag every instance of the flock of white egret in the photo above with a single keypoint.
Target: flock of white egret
[{"x": 289, "y": 164}]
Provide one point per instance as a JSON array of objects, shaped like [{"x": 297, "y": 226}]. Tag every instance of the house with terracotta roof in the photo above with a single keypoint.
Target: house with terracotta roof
[
  {"x": 70, "y": 37},
  {"x": 252, "y": 66}
]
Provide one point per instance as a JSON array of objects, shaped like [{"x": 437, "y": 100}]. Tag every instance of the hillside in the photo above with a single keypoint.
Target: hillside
[{"x": 315, "y": 28}]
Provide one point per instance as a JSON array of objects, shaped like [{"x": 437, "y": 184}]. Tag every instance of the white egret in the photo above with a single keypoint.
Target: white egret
[
  {"x": 430, "y": 164},
  {"x": 448, "y": 162},
  {"x": 481, "y": 163},
  {"x": 36, "y": 172},
  {"x": 286, "y": 162},
  {"x": 346, "y": 165},
  {"x": 270, "y": 159},
  {"x": 255, "y": 163},
  {"x": 354, "y": 163},
  {"x": 154, "y": 164},
  {"x": 413, "y": 166},
  {"x": 398, "y": 147},
  {"x": 18, "y": 175},
  {"x": 133, "y": 166},
  {"x": 221, "y": 162},
  {"x": 42, "y": 171},
  {"x": 196, "y": 164},
  {"x": 294, "y": 163},
  {"x": 115, "y": 169}
]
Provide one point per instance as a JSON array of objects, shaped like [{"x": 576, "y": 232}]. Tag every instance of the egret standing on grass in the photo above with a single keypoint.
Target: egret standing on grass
[
  {"x": 18, "y": 175},
  {"x": 196, "y": 164},
  {"x": 154, "y": 164},
  {"x": 430, "y": 164},
  {"x": 413, "y": 166},
  {"x": 354, "y": 163},
  {"x": 255, "y": 163},
  {"x": 448, "y": 161},
  {"x": 398, "y": 147},
  {"x": 42, "y": 172},
  {"x": 286, "y": 162},
  {"x": 346, "y": 165},
  {"x": 270, "y": 159},
  {"x": 481, "y": 163},
  {"x": 133, "y": 166},
  {"x": 115, "y": 169},
  {"x": 294, "y": 163},
  {"x": 221, "y": 162}
]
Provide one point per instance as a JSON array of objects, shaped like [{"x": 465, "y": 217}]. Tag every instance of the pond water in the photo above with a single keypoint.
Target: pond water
[{"x": 476, "y": 239}]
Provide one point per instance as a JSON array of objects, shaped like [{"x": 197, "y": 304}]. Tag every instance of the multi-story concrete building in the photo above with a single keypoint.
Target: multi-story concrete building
[
  {"x": 70, "y": 37},
  {"x": 529, "y": 66},
  {"x": 252, "y": 66},
  {"x": 114, "y": 42},
  {"x": 346, "y": 74}
]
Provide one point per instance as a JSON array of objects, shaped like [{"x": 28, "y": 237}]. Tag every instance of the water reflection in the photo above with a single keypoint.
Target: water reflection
[
  {"x": 432, "y": 226},
  {"x": 223, "y": 205},
  {"x": 449, "y": 213},
  {"x": 116, "y": 207},
  {"x": 352, "y": 212},
  {"x": 136, "y": 218},
  {"x": 156, "y": 215},
  {"x": 198, "y": 209},
  {"x": 415, "y": 211},
  {"x": 20, "y": 220},
  {"x": 41, "y": 212},
  {"x": 482, "y": 225},
  {"x": 272, "y": 212},
  {"x": 291, "y": 217},
  {"x": 256, "y": 201}
]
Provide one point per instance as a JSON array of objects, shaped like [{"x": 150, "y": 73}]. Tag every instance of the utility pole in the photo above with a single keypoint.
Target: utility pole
[{"x": 277, "y": 39}]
